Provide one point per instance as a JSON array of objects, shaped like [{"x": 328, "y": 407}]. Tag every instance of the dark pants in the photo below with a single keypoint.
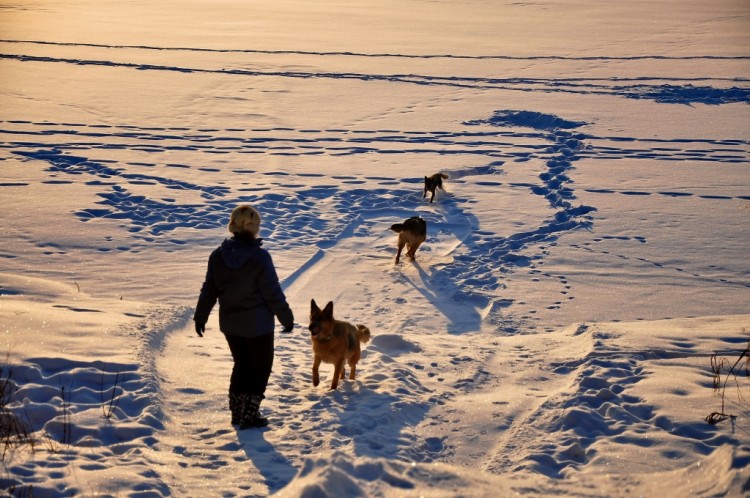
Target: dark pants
[{"x": 253, "y": 359}]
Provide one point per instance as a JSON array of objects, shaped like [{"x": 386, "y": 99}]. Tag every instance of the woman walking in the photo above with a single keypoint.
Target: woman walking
[{"x": 242, "y": 277}]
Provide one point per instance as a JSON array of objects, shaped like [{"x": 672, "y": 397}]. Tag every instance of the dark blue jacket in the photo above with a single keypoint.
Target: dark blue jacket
[{"x": 242, "y": 277}]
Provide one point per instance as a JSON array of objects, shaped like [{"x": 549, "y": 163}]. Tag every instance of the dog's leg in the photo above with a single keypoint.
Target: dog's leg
[
  {"x": 400, "y": 248},
  {"x": 414, "y": 250},
  {"x": 433, "y": 196},
  {"x": 316, "y": 376},
  {"x": 353, "y": 363},
  {"x": 337, "y": 372}
]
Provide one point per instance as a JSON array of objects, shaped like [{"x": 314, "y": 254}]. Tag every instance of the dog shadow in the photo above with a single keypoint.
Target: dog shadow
[
  {"x": 461, "y": 309},
  {"x": 374, "y": 421},
  {"x": 276, "y": 469}
]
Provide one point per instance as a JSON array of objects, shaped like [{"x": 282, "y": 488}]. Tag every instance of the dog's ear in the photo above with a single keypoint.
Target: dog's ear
[
  {"x": 313, "y": 306},
  {"x": 328, "y": 310}
]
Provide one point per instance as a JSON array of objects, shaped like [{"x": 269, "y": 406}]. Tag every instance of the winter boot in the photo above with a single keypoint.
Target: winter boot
[
  {"x": 251, "y": 412},
  {"x": 235, "y": 407}
]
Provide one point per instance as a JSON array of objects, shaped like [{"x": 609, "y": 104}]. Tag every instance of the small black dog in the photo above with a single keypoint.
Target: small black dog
[{"x": 433, "y": 182}]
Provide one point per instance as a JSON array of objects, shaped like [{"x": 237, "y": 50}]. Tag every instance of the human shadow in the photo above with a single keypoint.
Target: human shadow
[
  {"x": 276, "y": 469},
  {"x": 373, "y": 414}
]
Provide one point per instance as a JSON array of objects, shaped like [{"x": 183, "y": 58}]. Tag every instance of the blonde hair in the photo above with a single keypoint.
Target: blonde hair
[{"x": 244, "y": 219}]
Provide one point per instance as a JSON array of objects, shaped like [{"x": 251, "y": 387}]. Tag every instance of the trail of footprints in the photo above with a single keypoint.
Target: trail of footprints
[{"x": 358, "y": 419}]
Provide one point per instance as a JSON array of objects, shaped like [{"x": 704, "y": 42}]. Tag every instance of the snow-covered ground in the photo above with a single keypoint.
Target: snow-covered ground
[{"x": 554, "y": 335}]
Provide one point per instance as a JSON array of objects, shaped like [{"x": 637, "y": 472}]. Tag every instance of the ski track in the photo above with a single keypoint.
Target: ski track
[{"x": 709, "y": 90}]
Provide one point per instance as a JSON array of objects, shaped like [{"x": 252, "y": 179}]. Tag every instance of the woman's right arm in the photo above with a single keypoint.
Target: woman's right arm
[{"x": 270, "y": 289}]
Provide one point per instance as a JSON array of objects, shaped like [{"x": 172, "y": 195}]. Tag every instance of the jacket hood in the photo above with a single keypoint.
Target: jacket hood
[{"x": 237, "y": 251}]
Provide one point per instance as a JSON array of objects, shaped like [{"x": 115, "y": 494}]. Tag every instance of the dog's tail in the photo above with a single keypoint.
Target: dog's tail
[
  {"x": 363, "y": 333},
  {"x": 397, "y": 227},
  {"x": 443, "y": 176}
]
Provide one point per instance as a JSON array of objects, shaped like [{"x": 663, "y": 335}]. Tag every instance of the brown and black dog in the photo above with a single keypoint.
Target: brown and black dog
[
  {"x": 334, "y": 341},
  {"x": 411, "y": 233},
  {"x": 433, "y": 182}
]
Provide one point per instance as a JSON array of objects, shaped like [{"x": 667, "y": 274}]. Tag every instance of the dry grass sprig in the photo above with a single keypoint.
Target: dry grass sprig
[
  {"x": 14, "y": 430},
  {"x": 718, "y": 365}
]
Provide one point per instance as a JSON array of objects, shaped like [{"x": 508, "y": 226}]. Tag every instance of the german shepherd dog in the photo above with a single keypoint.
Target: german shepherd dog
[
  {"x": 433, "y": 182},
  {"x": 334, "y": 341},
  {"x": 411, "y": 233}
]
